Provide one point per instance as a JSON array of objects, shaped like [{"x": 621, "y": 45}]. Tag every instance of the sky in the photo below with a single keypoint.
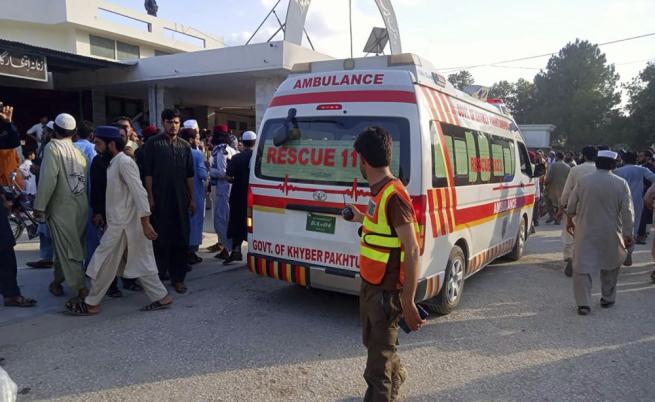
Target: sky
[{"x": 448, "y": 33}]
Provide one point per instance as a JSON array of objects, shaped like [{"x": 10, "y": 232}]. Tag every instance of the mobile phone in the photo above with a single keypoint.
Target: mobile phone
[
  {"x": 347, "y": 212},
  {"x": 421, "y": 311}
]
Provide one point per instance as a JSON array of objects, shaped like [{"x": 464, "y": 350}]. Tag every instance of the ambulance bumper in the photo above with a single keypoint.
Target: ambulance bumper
[{"x": 309, "y": 276}]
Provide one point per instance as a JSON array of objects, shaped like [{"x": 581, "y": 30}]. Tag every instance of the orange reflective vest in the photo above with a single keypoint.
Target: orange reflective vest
[{"x": 377, "y": 237}]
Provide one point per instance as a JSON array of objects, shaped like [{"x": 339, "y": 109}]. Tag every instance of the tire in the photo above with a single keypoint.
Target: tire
[
  {"x": 519, "y": 245},
  {"x": 453, "y": 286}
]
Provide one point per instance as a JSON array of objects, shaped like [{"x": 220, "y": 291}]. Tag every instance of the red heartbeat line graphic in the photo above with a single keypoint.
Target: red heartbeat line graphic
[{"x": 285, "y": 187}]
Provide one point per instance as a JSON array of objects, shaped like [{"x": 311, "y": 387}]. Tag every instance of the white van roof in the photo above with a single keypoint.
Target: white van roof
[{"x": 421, "y": 70}]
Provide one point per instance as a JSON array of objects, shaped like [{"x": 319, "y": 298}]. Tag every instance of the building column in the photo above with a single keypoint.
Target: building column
[
  {"x": 156, "y": 103},
  {"x": 99, "y": 101},
  {"x": 265, "y": 88}
]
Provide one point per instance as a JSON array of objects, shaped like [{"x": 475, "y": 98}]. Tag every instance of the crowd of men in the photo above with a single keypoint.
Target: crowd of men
[
  {"x": 607, "y": 198},
  {"x": 116, "y": 203}
]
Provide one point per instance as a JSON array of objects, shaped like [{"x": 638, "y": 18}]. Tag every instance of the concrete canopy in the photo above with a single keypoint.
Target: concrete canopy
[{"x": 235, "y": 77}]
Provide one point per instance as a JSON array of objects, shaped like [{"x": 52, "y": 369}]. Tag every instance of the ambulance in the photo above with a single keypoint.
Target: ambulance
[{"x": 461, "y": 158}]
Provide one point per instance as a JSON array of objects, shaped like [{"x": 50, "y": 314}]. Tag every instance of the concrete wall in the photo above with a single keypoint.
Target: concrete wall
[
  {"x": 57, "y": 37},
  {"x": 536, "y": 135},
  {"x": 52, "y": 24},
  {"x": 264, "y": 90}
]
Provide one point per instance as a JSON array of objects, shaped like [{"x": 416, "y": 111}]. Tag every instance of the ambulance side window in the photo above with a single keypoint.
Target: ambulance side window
[
  {"x": 472, "y": 155},
  {"x": 484, "y": 161},
  {"x": 526, "y": 166},
  {"x": 439, "y": 171}
]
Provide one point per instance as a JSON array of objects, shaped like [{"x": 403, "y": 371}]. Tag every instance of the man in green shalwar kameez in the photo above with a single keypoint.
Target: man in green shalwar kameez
[{"x": 61, "y": 199}]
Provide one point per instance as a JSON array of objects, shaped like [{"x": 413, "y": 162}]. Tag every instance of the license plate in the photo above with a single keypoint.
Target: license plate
[{"x": 321, "y": 223}]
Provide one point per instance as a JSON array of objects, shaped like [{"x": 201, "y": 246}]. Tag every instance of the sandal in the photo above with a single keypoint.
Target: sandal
[
  {"x": 584, "y": 310},
  {"x": 56, "y": 289},
  {"x": 19, "y": 301},
  {"x": 180, "y": 287},
  {"x": 78, "y": 308},
  {"x": 156, "y": 306}
]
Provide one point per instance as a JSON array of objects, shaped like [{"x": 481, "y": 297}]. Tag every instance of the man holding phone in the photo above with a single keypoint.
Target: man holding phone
[{"x": 389, "y": 258}]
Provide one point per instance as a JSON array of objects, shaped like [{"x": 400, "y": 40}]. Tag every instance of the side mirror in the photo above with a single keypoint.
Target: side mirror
[{"x": 538, "y": 171}]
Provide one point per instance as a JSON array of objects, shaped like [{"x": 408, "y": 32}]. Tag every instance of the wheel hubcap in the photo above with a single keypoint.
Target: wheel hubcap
[
  {"x": 454, "y": 286},
  {"x": 522, "y": 235}
]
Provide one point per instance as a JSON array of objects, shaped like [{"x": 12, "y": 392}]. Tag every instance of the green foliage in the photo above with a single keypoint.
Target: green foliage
[
  {"x": 641, "y": 106},
  {"x": 577, "y": 93},
  {"x": 461, "y": 79},
  {"x": 518, "y": 96}
]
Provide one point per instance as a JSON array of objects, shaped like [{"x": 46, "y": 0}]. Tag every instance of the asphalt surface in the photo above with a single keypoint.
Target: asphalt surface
[{"x": 238, "y": 337}]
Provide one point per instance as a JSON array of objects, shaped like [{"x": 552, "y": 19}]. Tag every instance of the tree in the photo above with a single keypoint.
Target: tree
[
  {"x": 502, "y": 90},
  {"x": 577, "y": 93},
  {"x": 641, "y": 106},
  {"x": 518, "y": 96},
  {"x": 461, "y": 79},
  {"x": 522, "y": 102}
]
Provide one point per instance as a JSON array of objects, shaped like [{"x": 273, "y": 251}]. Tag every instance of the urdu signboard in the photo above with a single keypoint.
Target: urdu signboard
[{"x": 22, "y": 65}]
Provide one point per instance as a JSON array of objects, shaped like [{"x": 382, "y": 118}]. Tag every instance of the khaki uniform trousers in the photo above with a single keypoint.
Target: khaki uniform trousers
[{"x": 380, "y": 312}]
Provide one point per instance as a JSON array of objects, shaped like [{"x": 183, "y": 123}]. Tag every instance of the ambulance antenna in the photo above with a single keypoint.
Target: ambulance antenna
[{"x": 350, "y": 19}]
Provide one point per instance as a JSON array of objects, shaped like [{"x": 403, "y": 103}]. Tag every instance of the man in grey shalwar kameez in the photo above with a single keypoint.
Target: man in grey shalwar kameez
[{"x": 603, "y": 229}]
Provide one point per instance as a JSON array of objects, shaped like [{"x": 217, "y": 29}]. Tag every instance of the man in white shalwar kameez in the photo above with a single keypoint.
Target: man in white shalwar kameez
[
  {"x": 604, "y": 222},
  {"x": 128, "y": 226}
]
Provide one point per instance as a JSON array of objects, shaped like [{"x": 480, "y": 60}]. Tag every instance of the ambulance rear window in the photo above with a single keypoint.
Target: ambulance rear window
[{"x": 324, "y": 152}]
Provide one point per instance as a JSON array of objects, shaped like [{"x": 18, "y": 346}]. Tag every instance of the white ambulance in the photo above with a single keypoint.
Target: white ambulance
[{"x": 462, "y": 160}]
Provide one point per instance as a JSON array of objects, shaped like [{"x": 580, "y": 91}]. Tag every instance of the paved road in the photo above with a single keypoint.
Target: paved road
[{"x": 515, "y": 337}]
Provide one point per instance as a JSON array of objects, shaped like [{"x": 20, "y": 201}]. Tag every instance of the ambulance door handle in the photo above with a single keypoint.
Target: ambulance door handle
[{"x": 311, "y": 208}]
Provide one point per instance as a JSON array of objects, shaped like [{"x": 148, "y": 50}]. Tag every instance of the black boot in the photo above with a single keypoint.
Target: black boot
[{"x": 235, "y": 256}]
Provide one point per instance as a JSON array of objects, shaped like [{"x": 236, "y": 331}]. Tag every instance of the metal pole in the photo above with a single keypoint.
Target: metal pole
[
  {"x": 263, "y": 21},
  {"x": 309, "y": 40},
  {"x": 281, "y": 28},
  {"x": 350, "y": 18}
]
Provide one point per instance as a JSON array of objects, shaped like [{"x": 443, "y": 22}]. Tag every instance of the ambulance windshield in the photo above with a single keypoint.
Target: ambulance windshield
[{"x": 323, "y": 151}]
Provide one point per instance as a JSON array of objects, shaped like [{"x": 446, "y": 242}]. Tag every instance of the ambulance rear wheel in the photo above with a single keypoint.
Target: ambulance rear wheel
[
  {"x": 453, "y": 286},
  {"x": 519, "y": 246}
]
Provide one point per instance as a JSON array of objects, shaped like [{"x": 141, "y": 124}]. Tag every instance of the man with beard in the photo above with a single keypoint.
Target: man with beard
[
  {"x": 127, "y": 243},
  {"x": 603, "y": 229},
  {"x": 169, "y": 175},
  {"x": 389, "y": 281},
  {"x": 61, "y": 198}
]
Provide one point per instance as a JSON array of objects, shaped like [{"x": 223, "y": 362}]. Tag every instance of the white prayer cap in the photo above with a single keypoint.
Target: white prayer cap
[
  {"x": 51, "y": 125},
  {"x": 608, "y": 154},
  {"x": 191, "y": 123},
  {"x": 66, "y": 122},
  {"x": 248, "y": 136}
]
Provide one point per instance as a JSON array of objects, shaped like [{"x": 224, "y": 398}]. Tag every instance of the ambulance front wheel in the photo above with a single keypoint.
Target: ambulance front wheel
[
  {"x": 519, "y": 245},
  {"x": 453, "y": 286}
]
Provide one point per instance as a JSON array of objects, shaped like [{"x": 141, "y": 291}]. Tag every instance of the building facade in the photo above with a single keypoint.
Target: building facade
[{"x": 103, "y": 61}]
